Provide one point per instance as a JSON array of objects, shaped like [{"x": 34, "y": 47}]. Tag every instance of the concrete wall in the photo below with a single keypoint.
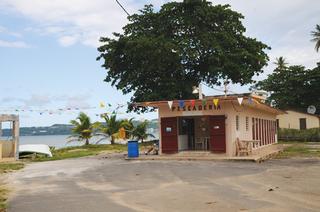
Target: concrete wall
[
  {"x": 230, "y": 110},
  {"x": 9, "y": 149},
  {"x": 291, "y": 120}
]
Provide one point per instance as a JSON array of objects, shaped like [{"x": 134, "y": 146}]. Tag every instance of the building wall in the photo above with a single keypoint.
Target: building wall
[
  {"x": 291, "y": 120},
  {"x": 230, "y": 110},
  {"x": 9, "y": 149}
]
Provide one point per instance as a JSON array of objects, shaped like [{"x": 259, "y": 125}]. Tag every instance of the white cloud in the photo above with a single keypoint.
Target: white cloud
[
  {"x": 6, "y": 33},
  {"x": 283, "y": 25},
  {"x": 73, "y": 20},
  {"x": 42, "y": 100},
  {"x": 4, "y": 30},
  {"x": 13, "y": 44},
  {"x": 37, "y": 100},
  {"x": 68, "y": 40}
]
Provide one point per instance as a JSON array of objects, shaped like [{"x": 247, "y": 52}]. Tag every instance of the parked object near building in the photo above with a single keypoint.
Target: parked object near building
[
  {"x": 133, "y": 149},
  {"x": 35, "y": 148},
  {"x": 215, "y": 123},
  {"x": 298, "y": 120},
  {"x": 9, "y": 145}
]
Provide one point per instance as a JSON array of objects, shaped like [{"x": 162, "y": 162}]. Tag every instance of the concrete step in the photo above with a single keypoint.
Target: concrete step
[{"x": 195, "y": 153}]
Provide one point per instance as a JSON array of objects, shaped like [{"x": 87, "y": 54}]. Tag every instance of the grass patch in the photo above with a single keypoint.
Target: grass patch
[
  {"x": 7, "y": 167},
  {"x": 4, "y": 168},
  {"x": 298, "y": 149},
  {"x": 3, "y": 198},
  {"x": 89, "y": 150},
  {"x": 81, "y": 151}
]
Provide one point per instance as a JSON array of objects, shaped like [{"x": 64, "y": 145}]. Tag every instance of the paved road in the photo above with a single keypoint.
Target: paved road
[{"x": 104, "y": 184}]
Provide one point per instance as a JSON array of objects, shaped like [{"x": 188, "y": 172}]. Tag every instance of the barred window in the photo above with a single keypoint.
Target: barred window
[
  {"x": 247, "y": 123},
  {"x": 237, "y": 123}
]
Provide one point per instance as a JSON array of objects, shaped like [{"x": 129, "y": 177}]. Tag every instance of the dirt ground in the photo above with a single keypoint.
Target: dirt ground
[{"x": 113, "y": 184}]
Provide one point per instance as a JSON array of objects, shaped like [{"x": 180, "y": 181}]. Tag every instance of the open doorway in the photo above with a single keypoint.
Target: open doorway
[
  {"x": 201, "y": 133},
  {"x": 193, "y": 134}
]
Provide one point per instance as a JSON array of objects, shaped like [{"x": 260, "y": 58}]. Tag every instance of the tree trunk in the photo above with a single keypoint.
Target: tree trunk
[
  {"x": 112, "y": 140},
  {"x": 87, "y": 141},
  {"x": 142, "y": 140}
]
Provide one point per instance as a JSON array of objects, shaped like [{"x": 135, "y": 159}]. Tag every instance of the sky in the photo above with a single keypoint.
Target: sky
[{"x": 48, "y": 51}]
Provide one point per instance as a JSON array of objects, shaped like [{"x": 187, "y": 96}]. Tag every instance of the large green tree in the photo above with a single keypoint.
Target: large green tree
[
  {"x": 161, "y": 54},
  {"x": 293, "y": 87}
]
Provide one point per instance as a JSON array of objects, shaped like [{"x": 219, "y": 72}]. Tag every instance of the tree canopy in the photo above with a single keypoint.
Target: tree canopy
[
  {"x": 161, "y": 54},
  {"x": 316, "y": 37},
  {"x": 293, "y": 87}
]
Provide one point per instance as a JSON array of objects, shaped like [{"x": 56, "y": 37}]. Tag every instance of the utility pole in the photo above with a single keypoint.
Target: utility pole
[
  {"x": 225, "y": 88},
  {"x": 200, "y": 91}
]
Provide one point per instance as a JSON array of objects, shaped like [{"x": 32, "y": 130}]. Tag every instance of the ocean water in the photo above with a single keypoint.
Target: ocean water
[{"x": 58, "y": 141}]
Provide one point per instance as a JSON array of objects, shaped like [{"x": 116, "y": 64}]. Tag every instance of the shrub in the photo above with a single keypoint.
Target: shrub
[{"x": 312, "y": 134}]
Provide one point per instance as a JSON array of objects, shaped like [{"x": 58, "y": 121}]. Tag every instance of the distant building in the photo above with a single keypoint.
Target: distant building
[{"x": 298, "y": 120}]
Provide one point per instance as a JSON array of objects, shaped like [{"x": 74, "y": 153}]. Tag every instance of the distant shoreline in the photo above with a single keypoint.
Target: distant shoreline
[{"x": 58, "y": 129}]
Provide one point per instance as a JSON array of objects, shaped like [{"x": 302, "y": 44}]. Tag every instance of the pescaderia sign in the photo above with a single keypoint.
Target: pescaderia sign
[{"x": 196, "y": 108}]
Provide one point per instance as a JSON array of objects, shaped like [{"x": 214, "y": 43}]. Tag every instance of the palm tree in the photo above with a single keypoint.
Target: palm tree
[
  {"x": 281, "y": 63},
  {"x": 83, "y": 129},
  {"x": 140, "y": 131},
  {"x": 111, "y": 127},
  {"x": 129, "y": 127},
  {"x": 316, "y": 37}
]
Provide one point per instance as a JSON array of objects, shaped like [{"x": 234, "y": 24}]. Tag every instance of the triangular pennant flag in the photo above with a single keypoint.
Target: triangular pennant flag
[
  {"x": 240, "y": 99},
  {"x": 170, "y": 103},
  {"x": 122, "y": 133},
  {"x": 181, "y": 103},
  {"x": 216, "y": 102},
  {"x": 204, "y": 102},
  {"x": 102, "y": 105},
  {"x": 193, "y": 102}
]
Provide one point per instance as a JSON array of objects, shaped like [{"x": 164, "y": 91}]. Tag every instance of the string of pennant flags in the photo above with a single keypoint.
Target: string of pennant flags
[
  {"x": 215, "y": 101},
  {"x": 114, "y": 109},
  {"x": 54, "y": 111}
]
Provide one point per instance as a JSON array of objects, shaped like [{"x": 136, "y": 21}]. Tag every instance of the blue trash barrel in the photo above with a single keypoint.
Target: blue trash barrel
[{"x": 133, "y": 149}]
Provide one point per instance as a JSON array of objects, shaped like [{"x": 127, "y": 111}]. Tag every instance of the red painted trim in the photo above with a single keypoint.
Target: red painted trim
[
  {"x": 267, "y": 132},
  {"x": 269, "y": 135},
  {"x": 169, "y": 140},
  {"x": 217, "y": 135},
  {"x": 257, "y": 130},
  {"x": 253, "y": 130}
]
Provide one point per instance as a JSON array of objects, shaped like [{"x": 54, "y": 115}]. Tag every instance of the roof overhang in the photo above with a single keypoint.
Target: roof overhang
[{"x": 255, "y": 104}]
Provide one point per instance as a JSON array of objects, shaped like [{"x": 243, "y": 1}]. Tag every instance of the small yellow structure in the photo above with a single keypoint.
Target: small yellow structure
[
  {"x": 297, "y": 120},
  {"x": 9, "y": 148}
]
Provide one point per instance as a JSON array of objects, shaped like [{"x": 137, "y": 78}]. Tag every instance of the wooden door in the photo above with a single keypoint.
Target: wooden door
[
  {"x": 303, "y": 124},
  {"x": 169, "y": 135},
  {"x": 217, "y": 134}
]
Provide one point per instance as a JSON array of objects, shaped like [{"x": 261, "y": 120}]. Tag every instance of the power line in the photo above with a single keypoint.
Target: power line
[
  {"x": 123, "y": 8},
  {"x": 222, "y": 91}
]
